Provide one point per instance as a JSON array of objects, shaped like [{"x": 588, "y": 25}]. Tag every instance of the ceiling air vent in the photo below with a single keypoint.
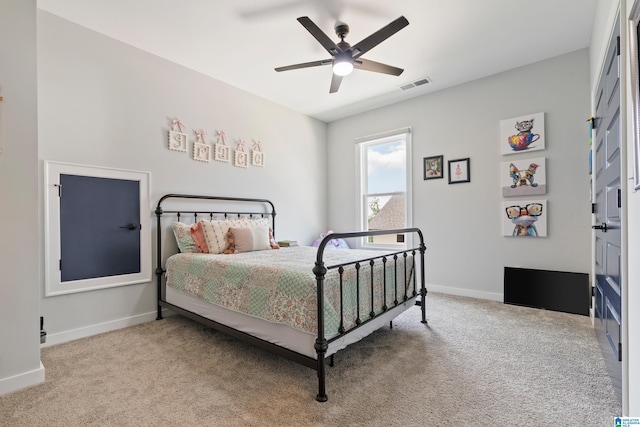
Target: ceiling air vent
[{"x": 419, "y": 82}]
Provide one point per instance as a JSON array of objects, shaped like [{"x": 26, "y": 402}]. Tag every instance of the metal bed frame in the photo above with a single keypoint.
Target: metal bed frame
[{"x": 319, "y": 269}]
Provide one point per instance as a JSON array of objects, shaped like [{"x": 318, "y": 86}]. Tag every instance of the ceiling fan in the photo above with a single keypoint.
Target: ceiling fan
[{"x": 346, "y": 57}]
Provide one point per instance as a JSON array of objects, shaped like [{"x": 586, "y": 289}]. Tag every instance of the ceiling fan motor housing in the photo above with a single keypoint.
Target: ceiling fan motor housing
[{"x": 342, "y": 29}]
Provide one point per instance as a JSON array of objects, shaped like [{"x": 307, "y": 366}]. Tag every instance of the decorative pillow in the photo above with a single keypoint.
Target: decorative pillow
[
  {"x": 248, "y": 222},
  {"x": 258, "y": 222},
  {"x": 215, "y": 231},
  {"x": 272, "y": 241},
  {"x": 215, "y": 235},
  {"x": 246, "y": 239},
  {"x": 198, "y": 237},
  {"x": 185, "y": 242}
]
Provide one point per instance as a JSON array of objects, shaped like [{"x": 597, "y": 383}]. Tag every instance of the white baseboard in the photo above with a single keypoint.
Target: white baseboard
[
  {"x": 100, "y": 328},
  {"x": 23, "y": 380},
  {"x": 465, "y": 292}
]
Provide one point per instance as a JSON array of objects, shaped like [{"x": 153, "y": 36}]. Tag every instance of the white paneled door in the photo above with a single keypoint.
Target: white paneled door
[{"x": 607, "y": 210}]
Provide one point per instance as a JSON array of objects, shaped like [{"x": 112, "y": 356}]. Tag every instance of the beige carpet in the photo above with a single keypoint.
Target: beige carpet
[{"x": 478, "y": 363}]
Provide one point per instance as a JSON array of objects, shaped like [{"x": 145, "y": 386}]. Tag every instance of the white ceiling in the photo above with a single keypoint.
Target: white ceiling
[{"x": 240, "y": 42}]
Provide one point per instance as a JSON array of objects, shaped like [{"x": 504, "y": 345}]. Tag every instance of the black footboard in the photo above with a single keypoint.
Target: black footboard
[{"x": 401, "y": 295}]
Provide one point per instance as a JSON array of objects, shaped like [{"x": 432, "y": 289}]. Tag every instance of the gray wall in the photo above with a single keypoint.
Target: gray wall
[
  {"x": 19, "y": 280},
  {"x": 462, "y": 223},
  {"x": 104, "y": 103}
]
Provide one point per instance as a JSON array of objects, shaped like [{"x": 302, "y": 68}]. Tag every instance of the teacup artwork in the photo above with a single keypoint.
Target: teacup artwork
[
  {"x": 528, "y": 136},
  {"x": 521, "y": 142}
]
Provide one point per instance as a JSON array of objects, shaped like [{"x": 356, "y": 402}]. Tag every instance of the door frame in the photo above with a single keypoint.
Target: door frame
[
  {"x": 631, "y": 186},
  {"x": 53, "y": 284}
]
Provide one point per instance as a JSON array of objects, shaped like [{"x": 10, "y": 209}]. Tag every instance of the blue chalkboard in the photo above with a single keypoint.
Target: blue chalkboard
[{"x": 99, "y": 227}]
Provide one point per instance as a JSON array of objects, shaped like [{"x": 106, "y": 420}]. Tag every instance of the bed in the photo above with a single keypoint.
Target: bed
[{"x": 223, "y": 268}]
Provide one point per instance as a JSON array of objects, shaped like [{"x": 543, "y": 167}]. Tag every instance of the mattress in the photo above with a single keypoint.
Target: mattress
[
  {"x": 272, "y": 294},
  {"x": 278, "y": 333}
]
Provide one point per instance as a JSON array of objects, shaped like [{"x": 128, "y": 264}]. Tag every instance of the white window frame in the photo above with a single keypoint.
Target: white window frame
[
  {"x": 361, "y": 184},
  {"x": 53, "y": 284}
]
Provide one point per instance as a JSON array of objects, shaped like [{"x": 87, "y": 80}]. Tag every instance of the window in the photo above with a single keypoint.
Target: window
[{"x": 384, "y": 197}]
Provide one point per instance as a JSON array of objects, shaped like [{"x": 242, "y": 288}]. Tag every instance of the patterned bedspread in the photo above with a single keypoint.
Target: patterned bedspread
[{"x": 279, "y": 285}]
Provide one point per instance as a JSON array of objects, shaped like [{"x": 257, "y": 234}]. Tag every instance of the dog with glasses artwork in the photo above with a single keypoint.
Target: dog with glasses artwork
[{"x": 524, "y": 218}]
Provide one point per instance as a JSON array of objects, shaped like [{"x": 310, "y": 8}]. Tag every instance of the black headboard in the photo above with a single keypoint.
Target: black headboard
[
  {"x": 202, "y": 207},
  {"x": 206, "y": 205}
]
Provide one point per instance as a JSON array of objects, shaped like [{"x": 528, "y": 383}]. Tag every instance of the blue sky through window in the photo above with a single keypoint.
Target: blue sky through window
[{"x": 386, "y": 167}]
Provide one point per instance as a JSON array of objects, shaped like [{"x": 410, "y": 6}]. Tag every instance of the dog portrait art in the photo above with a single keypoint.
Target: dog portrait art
[{"x": 524, "y": 177}]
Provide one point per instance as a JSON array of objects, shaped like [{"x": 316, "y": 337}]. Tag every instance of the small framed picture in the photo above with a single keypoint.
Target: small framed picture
[
  {"x": 177, "y": 141},
  {"x": 433, "y": 167},
  {"x": 222, "y": 153},
  {"x": 241, "y": 159},
  {"x": 201, "y": 152},
  {"x": 459, "y": 171},
  {"x": 257, "y": 158}
]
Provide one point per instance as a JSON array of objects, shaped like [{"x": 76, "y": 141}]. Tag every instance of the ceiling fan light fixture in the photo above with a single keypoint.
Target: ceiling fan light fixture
[
  {"x": 343, "y": 66},
  {"x": 345, "y": 56}
]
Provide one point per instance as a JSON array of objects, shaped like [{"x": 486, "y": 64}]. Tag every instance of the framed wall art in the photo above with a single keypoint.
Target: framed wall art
[
  {"x": 177, "y": 136},
  {"x": 221, "y": 151},
  {"x": 240, "y": 159},
  {"x": 240, "y": 156},
  {"x": 524, "y": 218},
  {"x": 201, "y": 150},
  {"x": 257, "y": 156},
  {"x": 433, "y": 167},
  {"x": 177, "y": 141},
  {"x": 522, "y": 134},
  {"x": 459, "y": 171},
  {"x": 524, "y": 177}
]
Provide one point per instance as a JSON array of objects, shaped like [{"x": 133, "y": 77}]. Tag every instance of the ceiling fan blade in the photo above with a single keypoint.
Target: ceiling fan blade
[
  {"x": 368, "y": 65},
  {"x": 305, "y": 65},
  {"x": 378, "y": 37},
  {"x": 319, "y": 35},
  {"x": 335, "y": 83}
]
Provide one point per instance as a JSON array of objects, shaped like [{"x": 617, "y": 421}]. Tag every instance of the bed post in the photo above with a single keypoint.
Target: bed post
[
  {"x": 159, "y": 260},
  {"x": 321, "y": 344},
  {"x": 423, "y": 289}
]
